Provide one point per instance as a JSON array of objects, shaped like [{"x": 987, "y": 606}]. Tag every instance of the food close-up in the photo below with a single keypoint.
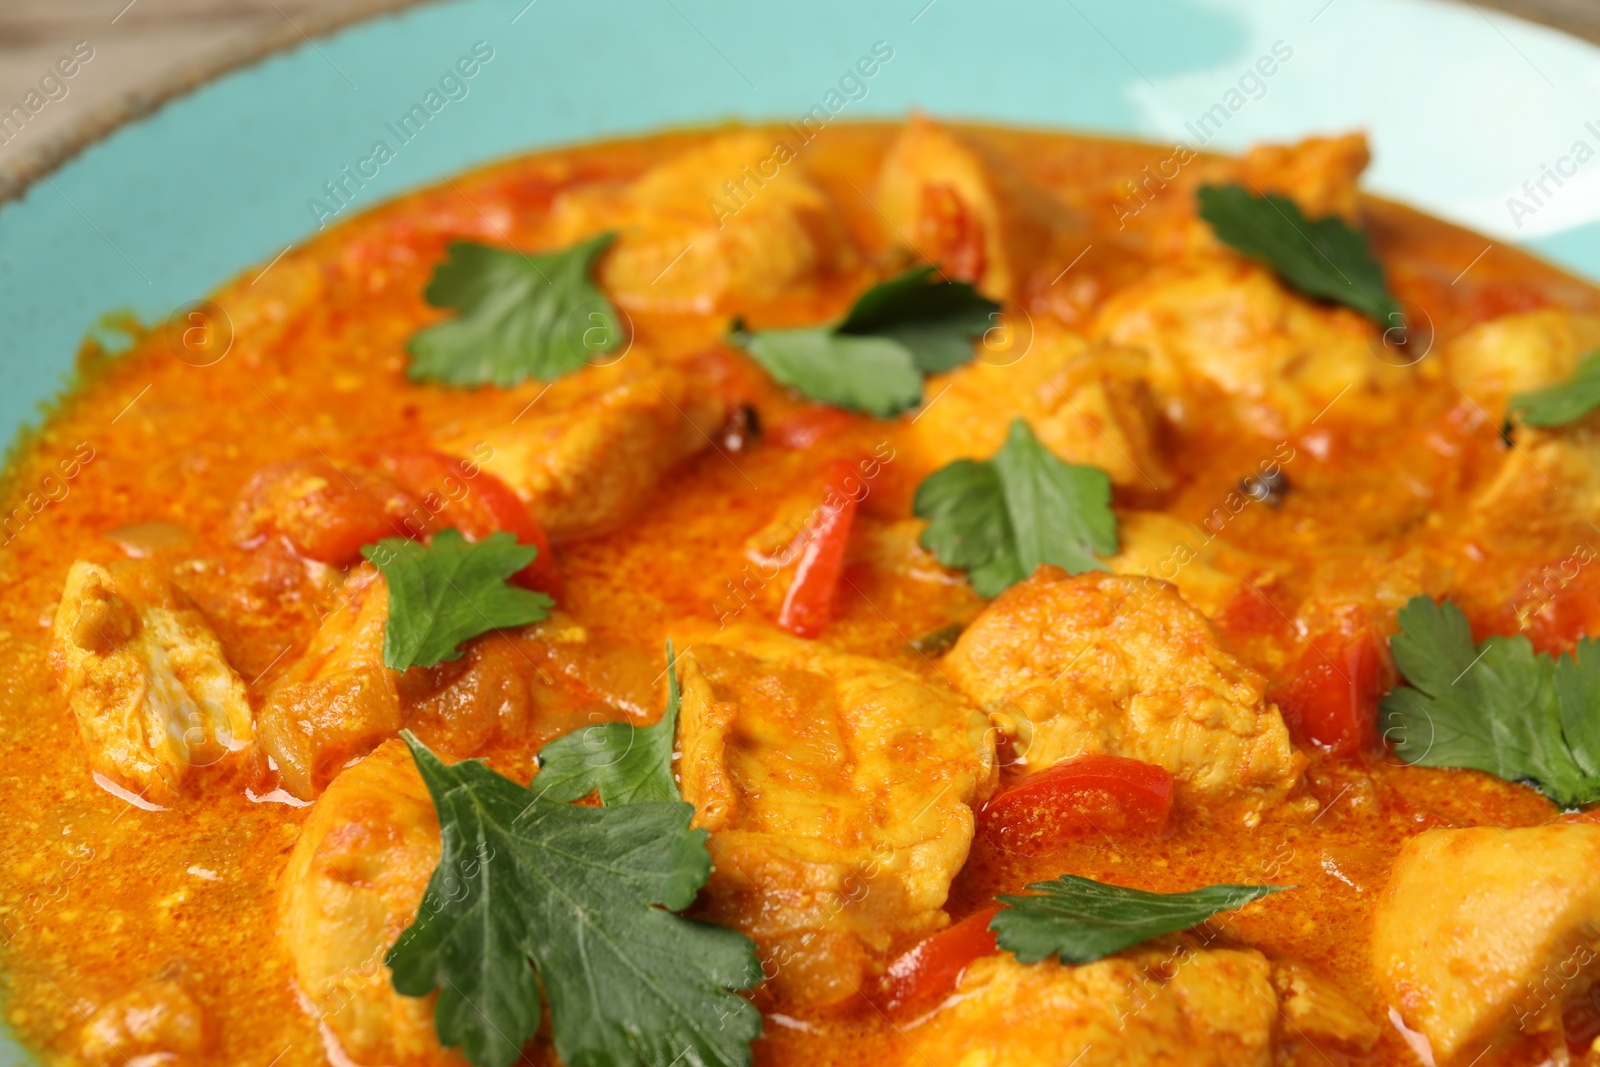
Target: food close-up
[{"x": 752, "y": 594}]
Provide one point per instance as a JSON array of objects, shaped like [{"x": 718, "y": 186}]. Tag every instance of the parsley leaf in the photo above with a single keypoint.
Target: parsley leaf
[
  {"x": 872, "y": 374},
  {"x": 1326, "y": 258},
  {"x": 1001, "y": 518},
  {"x": 874, "y": 358},
  {"x": 936, "y": 320},
  {"x": 1498, "y": 706},
  {"x": 624, "y": 762},
  {"x": 587, "y": 895},
  {"x": 521, "y": 316},
  {"x": 1080, "y": 920},
  {"x": 445, "y": 592},
  {"x": 1557, "y": 405}
]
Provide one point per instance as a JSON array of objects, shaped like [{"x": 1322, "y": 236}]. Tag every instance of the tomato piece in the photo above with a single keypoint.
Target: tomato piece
[
  {"x": 324, "y": 512},
  {"x": 950, "y": 233},
  {"x": 454, "y": 494},
  {"x": 933, "y": 966},
  {"x": 1331, "y": 699},
  {"x": 808, "y": 605},
  {"x": 1256, "y": 612},
  {"x": 1063, "y": 803},
  {"x": 810, "y": 425}
]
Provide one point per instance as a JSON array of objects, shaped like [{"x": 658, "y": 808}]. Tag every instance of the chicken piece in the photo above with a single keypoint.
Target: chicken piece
[
  {"x": 1180, "y": 1007},
  {"x": 971, "y": 214},
  {"x": 1545, "y": 492},
  {"x": 1548, "y": 488},
  {"x": 838, "y": 790},
  {"x": 1229, "y": 327},
  {"x": 154, "y": 1023},
  {"x": 1316, "y": 1009},
  {"x": 1113, "y": 664},
  {"x": 1319, "y": 174},
  {"x": 730, "y": 221},
  {"x": 1086, "y": 404},
  {"x": 1519, "y": 353},
  {"x": 354, "y": 882},
  {"x": 1482, "y": 934},
  {"x": 143, "y": 672},
  {"x": 586, "y": 457},
  {"x": 338, "y": 700}
]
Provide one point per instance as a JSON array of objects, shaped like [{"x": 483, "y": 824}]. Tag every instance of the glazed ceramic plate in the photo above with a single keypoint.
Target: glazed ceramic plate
[{"x": 1473, "y": 116}]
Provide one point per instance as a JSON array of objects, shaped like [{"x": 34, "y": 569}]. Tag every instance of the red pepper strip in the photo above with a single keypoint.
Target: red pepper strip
[
  {"x": 933, "y": 966},
  {"x": 1332, "y": 698},
  {"x": 1064, "y": 803},
  {"x": 808, "y": 605}
]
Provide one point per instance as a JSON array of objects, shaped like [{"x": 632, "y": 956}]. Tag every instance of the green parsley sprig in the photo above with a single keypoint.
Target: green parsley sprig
[
  {"x": 519, "y": 316},
  {"x": 1325, "y": 258},
  {"x": 874, "y": 359},
  {"x": 579, "y": 903},
  {"x": 999, "y": 519},
  {"x": 452, "y": 589},
  {"x": 1080, "y": 920},
  {"x": 1568, "y": 401},
  {"x": 1495, "y": 706},
  {"x": 624, "y": 763}
]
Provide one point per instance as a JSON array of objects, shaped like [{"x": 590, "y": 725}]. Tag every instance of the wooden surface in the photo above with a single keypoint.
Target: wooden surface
[
  {"x": 142, "y": 44},
  {"x": 131, "y": 45}
]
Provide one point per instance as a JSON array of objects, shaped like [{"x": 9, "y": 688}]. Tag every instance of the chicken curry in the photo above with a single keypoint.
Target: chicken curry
[{"x": 902, "y": 593}]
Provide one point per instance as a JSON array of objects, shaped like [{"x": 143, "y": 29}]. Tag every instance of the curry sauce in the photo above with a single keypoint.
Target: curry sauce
[{"x": 1376, "y": 497}]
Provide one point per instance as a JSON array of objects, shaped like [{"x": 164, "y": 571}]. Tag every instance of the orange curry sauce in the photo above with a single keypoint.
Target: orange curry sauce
[{"x": 148, "y": 456}]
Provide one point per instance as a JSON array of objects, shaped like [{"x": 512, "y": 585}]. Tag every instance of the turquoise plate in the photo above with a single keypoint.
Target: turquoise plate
[{"x": 1463, "y": 106}]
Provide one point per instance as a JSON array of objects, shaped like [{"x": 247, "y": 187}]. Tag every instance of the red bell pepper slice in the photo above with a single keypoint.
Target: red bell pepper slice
[
  {"x": 1331, "y": 699},
  {"x": 1069, "y": 801},
  {"x": 808, "y": 605},
  {"x": 933, "y": 966}
]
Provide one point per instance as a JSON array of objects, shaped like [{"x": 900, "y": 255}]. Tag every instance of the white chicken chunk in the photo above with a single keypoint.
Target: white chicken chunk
[
  {"x": 1319, "y": 173},
  {"x": 944, "y": 198},
  {"x": 1227, "y": 327},
  {"x": 1102, "y": 663},
  {"x": 1174, "y": 1007},
  {"x": 838, "y": 791},
  {"x": 1482, "y": 934},
  {"x": 1518, "y": 353},
  {"x": 338, "y": 700},
  {"x": 1088, "y": 405},
  {"x": 153, "y": 694},
  {"x": 1315, "y": 1009},
  {"x": 1546, "y": 489},
  {"x": 727, "y": 222},
  {"x": 588, "y": 452},
  {"x": 354, "y": 882}
]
